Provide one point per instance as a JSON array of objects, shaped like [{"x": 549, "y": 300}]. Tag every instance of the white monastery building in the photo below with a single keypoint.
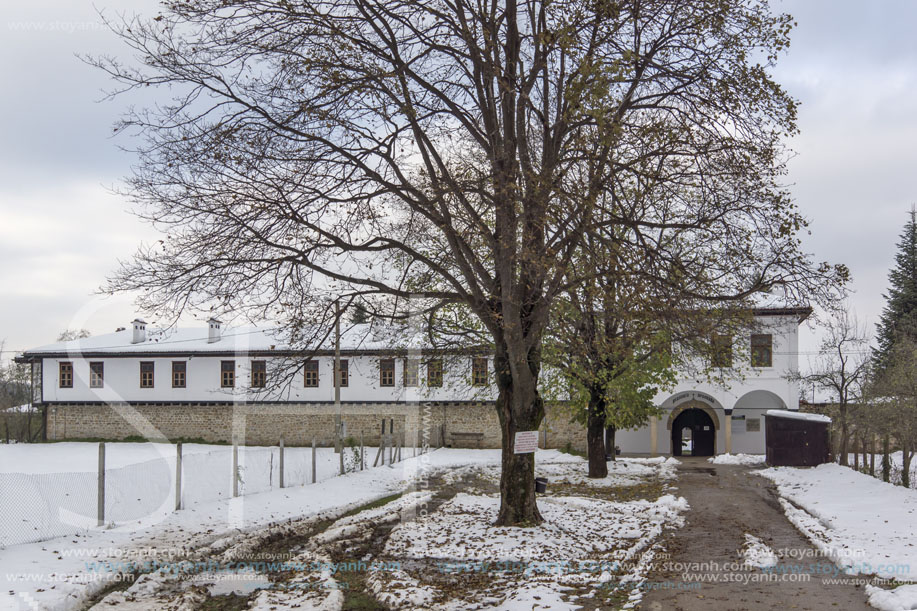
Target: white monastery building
[{"x": 243, "y": 384}]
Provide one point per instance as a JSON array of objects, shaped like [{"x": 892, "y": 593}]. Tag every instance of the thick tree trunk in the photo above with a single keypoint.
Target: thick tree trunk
[
  {"x": 886, "y": 460},
  {"x": 906, "y": 456},
  {"x": 595, "y": 437},
  {"x": 872, "y": 455},
  {"x": 519, "y": 408},
  {"x": 845, "y": 435}
]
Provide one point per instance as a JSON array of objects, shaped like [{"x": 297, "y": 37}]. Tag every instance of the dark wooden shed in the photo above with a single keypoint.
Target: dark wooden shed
[{"x": 795, "y": 439}]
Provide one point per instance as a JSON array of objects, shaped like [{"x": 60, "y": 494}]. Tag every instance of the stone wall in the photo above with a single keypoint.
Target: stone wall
[{"x": 454, "y": 425}]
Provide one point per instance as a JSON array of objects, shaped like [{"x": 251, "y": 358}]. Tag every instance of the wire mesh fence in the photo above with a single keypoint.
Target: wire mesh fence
[{"x": 40, "y": 506}]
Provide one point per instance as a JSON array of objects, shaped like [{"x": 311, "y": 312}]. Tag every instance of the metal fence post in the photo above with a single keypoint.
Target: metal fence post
[
  {"x": 280, "y": 466},
  {"x": 313, "y": 460},
  {"x": 178, "y": 476},
  {"x": 235, "y": 470},
  {"x": 100, "y": 501},
  {"x": 362, "y": 458}
]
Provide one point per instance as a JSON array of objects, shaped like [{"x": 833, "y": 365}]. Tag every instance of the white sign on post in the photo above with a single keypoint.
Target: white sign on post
[{"x": 526, "y": 442}]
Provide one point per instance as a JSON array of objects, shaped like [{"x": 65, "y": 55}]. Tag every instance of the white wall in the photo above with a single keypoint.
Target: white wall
[
  {"x": 122, "y": 381},
  {"x": 785, "y": 331}
]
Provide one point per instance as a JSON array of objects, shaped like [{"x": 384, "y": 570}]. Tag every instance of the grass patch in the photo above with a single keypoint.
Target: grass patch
[
  {"x": 373, "y": 505},
  {"x": 225, "y": 602},
  {"x": 568, "y": 449}
]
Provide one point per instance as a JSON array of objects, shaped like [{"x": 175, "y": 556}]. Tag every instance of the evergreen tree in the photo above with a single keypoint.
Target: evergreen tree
[{"x": 899, "y": 317}]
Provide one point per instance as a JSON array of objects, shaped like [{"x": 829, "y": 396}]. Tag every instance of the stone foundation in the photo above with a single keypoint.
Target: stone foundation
[{"x": 452, "y": 425}]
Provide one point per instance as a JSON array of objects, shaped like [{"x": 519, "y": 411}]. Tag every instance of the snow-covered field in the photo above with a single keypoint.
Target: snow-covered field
[
  {"x": 63, "y": 572},
  {"x": 583, "y": 544},
  {"x": 862, "y": 524},
  {"x": 49, "y": 490}
]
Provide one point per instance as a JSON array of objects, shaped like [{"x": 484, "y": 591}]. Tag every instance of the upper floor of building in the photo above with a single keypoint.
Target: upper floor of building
[{"x": 215, "y": 364}]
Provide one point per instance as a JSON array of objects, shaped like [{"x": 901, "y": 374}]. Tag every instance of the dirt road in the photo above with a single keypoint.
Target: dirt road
[{"x": 702, "y": 569}]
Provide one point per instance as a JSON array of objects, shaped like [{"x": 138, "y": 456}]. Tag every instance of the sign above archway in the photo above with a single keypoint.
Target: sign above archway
[{"x": 693, "y": 396}]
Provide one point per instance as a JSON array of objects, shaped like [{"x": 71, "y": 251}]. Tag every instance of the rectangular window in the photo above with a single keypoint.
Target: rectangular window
[
  {"x": 146, "y": 374},
  {"x": 386, "y": 372},
  {"x": 96, "y": 375},
  {"x": 345, "y": 373},
  {"x": 311, "y": 374},
  {"x": 721, "y": 350},
  {"x": 228, "y": 374},
  {"x": 66, "y": 374},
  {"x": 179, "y": 374},
  {"x": 479, "y": 371},
  {"x": 411, "y": 372},
  {"x": 435, "y": 373},
  {"x": 259, "y": 374},
  {"x": 762, "y": 350}
]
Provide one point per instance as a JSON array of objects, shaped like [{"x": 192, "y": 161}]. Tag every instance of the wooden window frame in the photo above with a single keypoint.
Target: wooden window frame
[
  {"x": 96, "y": 378},
  {"x": 144, "y": 381},
  {"x": 435, "y": 373},
  {"x": 765, "y": 344},
  {"x": 479, "y": 371},
  {"x": 227, "y": 374},
  {"x": 411, "y": 374},
  {"x": 180, "y": 374},
  {"x": 721, "y": 351},
  {"x": 345, "y": 372},
  {"x": 387, "y": 373},
  {"x": 259, "y": 374},
  {"x": 65, "y": 374},
  {"x": 310, "y": 378}
]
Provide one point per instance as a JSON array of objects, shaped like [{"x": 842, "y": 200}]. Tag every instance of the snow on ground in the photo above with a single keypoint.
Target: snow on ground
[
  {"x": 738, "y": 459},
  {"x": 897, "y": 466},
  {"x": 902, "y": 598},
  {"x": 584, "y": 544},
  {"x": 621, "y": 472},
  {"x": 864, "y": 525},
  {"x": 49, "y": 490},
  {"x": 62, "y": 573},
  {"x": 757, "y": 553}
]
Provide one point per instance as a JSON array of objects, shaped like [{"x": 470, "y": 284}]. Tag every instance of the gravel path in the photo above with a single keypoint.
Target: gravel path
[{"x": 703, "y": 569}]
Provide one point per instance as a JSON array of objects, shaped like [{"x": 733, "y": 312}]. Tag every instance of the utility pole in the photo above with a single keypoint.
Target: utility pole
[{"x": 339, "y": 418}]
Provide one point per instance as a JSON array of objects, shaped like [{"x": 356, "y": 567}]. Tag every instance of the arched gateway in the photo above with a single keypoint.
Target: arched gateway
[{"x": 693, "y": 433}]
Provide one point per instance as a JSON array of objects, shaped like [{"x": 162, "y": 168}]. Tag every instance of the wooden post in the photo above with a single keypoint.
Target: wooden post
[
  {"x": 339, "y": 417},
  {"x": 362, "y": 457},
  {"x": 235, "y": 470},
  {"x": 341, "y": 458},
  {"x": 100, "y": 499},
  {"x": 280, "y": 466},
  {"x": 178, "y": 476},
  {"x": 313, "y": 460}
]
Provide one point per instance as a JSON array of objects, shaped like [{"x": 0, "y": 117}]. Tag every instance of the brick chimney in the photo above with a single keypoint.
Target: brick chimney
[
  {"x": 139, "y": 331},
  {"x": 213, "y": 334}
]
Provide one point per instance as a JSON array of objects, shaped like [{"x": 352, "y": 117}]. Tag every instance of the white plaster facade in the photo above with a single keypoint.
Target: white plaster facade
[{"x": 735, "y": 409}]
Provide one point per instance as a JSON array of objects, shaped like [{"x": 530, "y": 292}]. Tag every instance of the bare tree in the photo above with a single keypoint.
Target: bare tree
[
  {"x": 895, "y": 389},
  {"x": 841, "y": 369},
  {"x": 454, "y": 154}
]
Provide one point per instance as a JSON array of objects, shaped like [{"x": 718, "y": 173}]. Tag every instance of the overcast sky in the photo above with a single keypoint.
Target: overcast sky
[{"x": 852, "y": 64}]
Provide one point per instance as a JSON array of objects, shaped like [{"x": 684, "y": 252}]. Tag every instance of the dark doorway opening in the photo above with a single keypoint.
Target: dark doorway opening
[{"x": 693, "y": 434}]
